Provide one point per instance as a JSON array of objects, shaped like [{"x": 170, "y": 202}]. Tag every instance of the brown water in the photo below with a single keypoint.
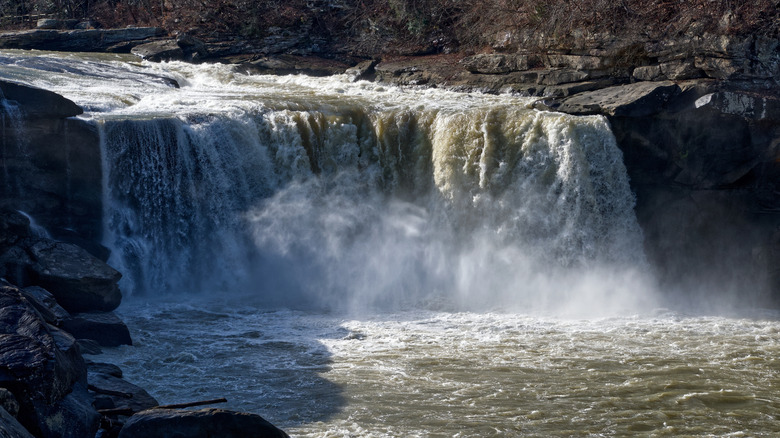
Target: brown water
[{"x": 441, "y": 374}]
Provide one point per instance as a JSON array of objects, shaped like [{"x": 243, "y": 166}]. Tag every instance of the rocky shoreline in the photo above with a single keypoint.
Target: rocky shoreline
[
  {"x": 57, "y": 294},
  {"x": 56, "y": 303},
  {"x": 697, "y": 118}
]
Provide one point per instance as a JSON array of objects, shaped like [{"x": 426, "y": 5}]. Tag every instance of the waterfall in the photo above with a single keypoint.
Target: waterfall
[
  {"x": 320, "y": 192},
  {"x": 362, "y": 206}
]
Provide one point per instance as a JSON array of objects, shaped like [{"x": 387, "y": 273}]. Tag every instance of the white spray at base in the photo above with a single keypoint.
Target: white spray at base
[{"x": 317, "y": 192}]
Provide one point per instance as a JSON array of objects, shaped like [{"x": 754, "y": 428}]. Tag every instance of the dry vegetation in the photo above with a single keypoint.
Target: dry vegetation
[{"x": 383, "y": 25}]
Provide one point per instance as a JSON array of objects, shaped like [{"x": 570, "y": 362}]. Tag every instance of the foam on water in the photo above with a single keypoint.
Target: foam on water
[{"x": 430, "y": 373}]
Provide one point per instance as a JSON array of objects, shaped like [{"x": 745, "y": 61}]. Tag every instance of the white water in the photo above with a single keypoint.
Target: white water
[{"x": 433, "y": 246}]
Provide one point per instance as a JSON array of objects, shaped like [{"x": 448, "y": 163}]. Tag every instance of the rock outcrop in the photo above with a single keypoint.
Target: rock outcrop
[
  {"x": 79, "y": 40},
  {"x": 204, "y": 423},
  {"x": 43, "y": 368},
  {"x": 51, "y": 162}
]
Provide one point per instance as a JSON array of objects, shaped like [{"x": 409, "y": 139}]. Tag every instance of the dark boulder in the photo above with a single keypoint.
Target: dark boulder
[
  {"x": 8, "y": 402},
  {"x": 104, "y": 368},
  {"x": 43, "y": 368},
  {"x": 88, "y": 346},
  {"x": 156, "y": 51},
  {"x": 14, "y": 226},
  {"x": 45, "y": 303},
  {"x": 51, "y": 162},
  {"x": 10, "y": 427},
  {"x": 204, "y": 423},
  {"x": 37, "y": 103},
  {"x": 104, "y": 327},
  {"x": 124, "y": 394},
  {"x": 79, "y": 281},
  {"x": 292, "y": 64}
]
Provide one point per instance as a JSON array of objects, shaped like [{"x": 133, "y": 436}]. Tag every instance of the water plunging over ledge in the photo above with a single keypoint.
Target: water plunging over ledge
[{"x": 349, "y": 259}]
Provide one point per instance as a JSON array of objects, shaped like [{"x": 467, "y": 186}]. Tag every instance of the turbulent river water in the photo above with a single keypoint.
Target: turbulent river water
[{"x": 351, "y": 259}]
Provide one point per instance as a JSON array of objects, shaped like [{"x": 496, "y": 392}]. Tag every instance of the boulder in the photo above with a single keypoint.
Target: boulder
[
  {"x": 79, "y": 281},
  {"x": 103, "y": 327},
  {"x": 43, "y": 368},
  {"x": 88, "y": 346},
  {"x": 14, "y": 226},
  {"x": 204, "y": 423},
  {"x": 363, "y": 70},
  {"x": 72, "y": 417},
  {"x": 156, "y": 51},
  {"x": 51, "y": 162},
  {"x": 37, "y": 103},
  {"x": 45, "y": 303},
  {"x": 104, "y": 368},
  {"x": 10, "y": 427},
  {"x": 292, "y": 64},
  {"x": 633, "y": 100},
  {"x": 8, "y": 402},
  {"x": 495, "y": 63},
  {"x": 124, "y": 394}
]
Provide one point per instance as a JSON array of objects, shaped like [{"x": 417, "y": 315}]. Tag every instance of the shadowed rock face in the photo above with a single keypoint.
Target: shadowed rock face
[
  {"x": 42, "y": 366},
  {"x": 51, "y": 166},
  {"x": 204, "y": 423},
  {"x": 704, "y": 161},
  {"x": 79, "y": 281}
]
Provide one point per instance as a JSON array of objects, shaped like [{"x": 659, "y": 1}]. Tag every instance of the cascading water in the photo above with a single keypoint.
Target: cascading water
[
  {"x": 352, "y": 203},
  {"x": 349, "y": 259}
]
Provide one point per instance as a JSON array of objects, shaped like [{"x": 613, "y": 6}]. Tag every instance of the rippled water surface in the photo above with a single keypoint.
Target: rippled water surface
[{"x": 428, "y": 373}]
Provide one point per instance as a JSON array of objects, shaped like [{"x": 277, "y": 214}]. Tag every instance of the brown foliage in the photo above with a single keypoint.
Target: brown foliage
[{"x": 382, "y": 24}]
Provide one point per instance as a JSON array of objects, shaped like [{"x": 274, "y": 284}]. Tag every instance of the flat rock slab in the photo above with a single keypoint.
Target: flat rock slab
[
  {"x": 633, "y": 100},
  {"x": 103, "y": 327},
  {"x": 204, "y": 423},
  {"x": 89, "y": 40},
  {"x": 134, "y": 398},
  {"x": 79, "y": 281}
]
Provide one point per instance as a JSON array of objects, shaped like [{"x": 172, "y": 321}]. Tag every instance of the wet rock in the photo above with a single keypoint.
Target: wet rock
[
  {"x": 14, "y": 226},
  {"x": 156, "y": 51},
  {"x": 9, "y": 402},
  {"x": 79, "y": 281},
  {"x": 88, "y": 346},
  {"x": 104, "y": 368},
  {"x": 169, "y": 423},
  {"x": 45, "y": 303},
  {"x": 105, "y": 328},
  {"x": 291, "y": 64},
  {"x": 43, "y": 368},
  {"x": 37, "y": 103},
  {"x": 123, "y": 393},
  {"x": 51, "y": 163},
  {"x": 363, "y": 70},
  {"x": 10, "y": 427},
  {"x": 72, "y": 417}
]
